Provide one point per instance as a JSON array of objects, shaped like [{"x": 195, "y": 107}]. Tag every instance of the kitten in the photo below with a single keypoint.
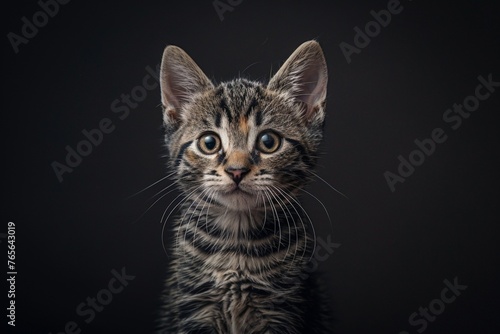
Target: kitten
[{"x": 240, "y": 152}]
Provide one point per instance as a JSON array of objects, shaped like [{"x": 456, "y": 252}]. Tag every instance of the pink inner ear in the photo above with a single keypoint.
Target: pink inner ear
[
  {"x": 181, "y": 78},
  {"x": 308, "y": 86},
  {"x": 176, "y": 94},
  {"x": 312, "y": 89},
  {"x": 304, "y": 77}
]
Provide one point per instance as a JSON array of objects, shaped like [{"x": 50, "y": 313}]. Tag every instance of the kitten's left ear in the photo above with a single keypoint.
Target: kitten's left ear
[{"x": 304, "y": 77}]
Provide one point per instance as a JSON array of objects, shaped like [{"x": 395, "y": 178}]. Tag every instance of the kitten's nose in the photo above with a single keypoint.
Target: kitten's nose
[{"x": 237, "y": 173}]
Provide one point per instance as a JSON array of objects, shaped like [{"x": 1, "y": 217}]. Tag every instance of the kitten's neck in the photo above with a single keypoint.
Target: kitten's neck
[
  {"x": 228, "y": 240},
  {"x": 239, "y": 222},
  {"x": 243, "y": 225}
]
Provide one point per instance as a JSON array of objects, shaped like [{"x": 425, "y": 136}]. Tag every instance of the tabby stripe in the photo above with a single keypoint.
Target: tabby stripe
[
  {"x": 200, "y": 230},
  {"x": 303, "y": 152},
  {"x": 221, "y": 157},
  {"x": 266, "y": 230},
  {"x": 181, "y": 153},
  {"x": 224, "y": 107},
  {"x": 255, "y": 157},
  {"x": 258, "y": 118},
  {"x": 253, "y": 104},
  {"x": 264, "y": 268},
  {"x": 217, "y": 119},
  {"x": 195, "y": 289},
  {"x": 211, "y": 230},
  {"x": 288, "y": 241},
  {"x": 188, "y": 307}
]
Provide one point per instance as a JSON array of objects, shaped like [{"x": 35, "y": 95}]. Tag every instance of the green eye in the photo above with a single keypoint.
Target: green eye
[
  {"x": 268, "y": 142},
  {"x": 209, "y": 143}
]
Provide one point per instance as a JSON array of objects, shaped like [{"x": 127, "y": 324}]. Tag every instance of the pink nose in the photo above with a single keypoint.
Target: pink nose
[{"x": 237, "y": 174}]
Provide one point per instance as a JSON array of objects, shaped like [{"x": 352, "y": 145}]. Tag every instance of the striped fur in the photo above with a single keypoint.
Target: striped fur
[{"x": 240, "y": 245}]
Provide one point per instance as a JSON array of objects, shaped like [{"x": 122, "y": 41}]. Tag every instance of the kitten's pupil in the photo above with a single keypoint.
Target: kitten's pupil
[
  {"x": 210, "y": 142},
  {"x": 268, "y": 141}
]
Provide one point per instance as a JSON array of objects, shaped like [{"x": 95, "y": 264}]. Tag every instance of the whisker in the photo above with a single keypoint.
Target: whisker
[
  {"x": 289, "y": 228},
  {"x": 151, "y": 185},
  {"x": 302, "y": 223},
  {"x": 181, "y": 194},
  {"x": 279, "y": 224},
  {"x": 270, "y": 207},
  {"x": 320, "y": 202},
  {"x": 208, "y": 209},
  {"x": 328, "y": 184},
  {"x": 149, "y": 208},
  {"x": 164, "y": 223},
  {"x": 265, "y": 212},
  {"x": 166, "y": 188},
  {"x": 308, "y": 218},
  {"x": 186, "y": 211},
  {"x": 194, "y": 211},
  {"x": 246, "y": 68}
]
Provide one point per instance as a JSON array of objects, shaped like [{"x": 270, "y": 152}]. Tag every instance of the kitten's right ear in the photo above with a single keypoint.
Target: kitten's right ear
[{"x": 180, "y": 80}]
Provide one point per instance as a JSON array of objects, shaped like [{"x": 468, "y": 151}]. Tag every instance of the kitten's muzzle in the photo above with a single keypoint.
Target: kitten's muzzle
[{"x": 237, "y": 174}]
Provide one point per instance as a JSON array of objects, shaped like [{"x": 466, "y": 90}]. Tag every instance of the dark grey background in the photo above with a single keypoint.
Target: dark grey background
[{"x": 396, "y": 248}]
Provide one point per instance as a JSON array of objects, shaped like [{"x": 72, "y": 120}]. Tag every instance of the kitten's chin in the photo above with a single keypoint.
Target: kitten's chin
[{"x": 237, "y": 199}]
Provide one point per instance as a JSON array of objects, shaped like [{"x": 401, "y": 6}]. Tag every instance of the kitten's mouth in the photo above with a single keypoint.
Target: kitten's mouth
[
  {"x": 236, "y": 198},
  {"x": 238, "y": 190}
]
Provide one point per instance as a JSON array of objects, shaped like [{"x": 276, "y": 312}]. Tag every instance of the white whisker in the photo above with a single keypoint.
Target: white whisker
[
  {"x": 151, "y": 185},
  {"x": 289, "y": 227},
  {"x": 328, "y": 184},
  {"x": 308, "y": 218}
]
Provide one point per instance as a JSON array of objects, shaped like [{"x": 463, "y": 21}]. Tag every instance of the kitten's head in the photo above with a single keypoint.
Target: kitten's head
[{"x": 242, "y": 143}]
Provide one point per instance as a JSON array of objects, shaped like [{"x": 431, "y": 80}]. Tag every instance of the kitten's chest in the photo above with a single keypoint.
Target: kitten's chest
[
  {"x": 231, "y": 279},
  {"x": 238, "y": 304},
  {"x": 233, "y": 288}
]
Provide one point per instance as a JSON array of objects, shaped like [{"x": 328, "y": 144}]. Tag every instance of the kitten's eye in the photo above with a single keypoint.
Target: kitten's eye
[
  {"x": 268, "y": 142},
  {"x": 209, "y": 143}
]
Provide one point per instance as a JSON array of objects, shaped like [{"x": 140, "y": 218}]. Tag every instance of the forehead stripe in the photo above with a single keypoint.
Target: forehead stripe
[
  {"x": 224, "y": 107},
  {"x": 258, "y": 118},
  {"x": 253, "y": 104},
  {"x": 217, "y": 119}
]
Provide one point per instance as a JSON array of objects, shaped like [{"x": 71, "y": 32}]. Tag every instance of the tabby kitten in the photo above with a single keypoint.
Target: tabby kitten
[{"x": 240, "y": 152}]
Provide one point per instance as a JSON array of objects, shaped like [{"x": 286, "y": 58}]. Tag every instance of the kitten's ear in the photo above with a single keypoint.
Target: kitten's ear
[
  {"x": 180, "y": 80},
  {"x": 304, "y": 77}
]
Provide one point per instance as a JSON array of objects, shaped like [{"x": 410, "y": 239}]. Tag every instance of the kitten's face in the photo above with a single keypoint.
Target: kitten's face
[{"x": 242, "y": 144}]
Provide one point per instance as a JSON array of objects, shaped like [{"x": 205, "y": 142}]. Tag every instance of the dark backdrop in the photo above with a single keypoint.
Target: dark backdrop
[{"x": 392, "y": 250}]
